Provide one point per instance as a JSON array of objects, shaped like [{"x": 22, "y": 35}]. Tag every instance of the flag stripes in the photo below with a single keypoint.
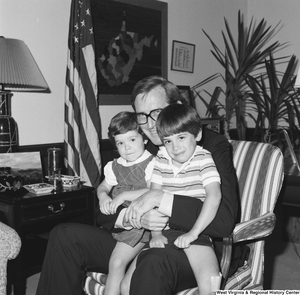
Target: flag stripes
[{"x": 82, "y": 120}]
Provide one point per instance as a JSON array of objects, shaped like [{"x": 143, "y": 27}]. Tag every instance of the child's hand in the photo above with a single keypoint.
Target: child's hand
[
  {"x": 104, "y": 204},
  {"x": 115, "y": 203},
  {"x": 185, "y": 240},
  {"x": 158, "y": 241}
]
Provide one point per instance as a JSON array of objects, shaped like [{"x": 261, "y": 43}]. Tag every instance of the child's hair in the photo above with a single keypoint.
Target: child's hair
[
  {"x": 122, "y": 123},
  {"x": 177, "y": 118}
]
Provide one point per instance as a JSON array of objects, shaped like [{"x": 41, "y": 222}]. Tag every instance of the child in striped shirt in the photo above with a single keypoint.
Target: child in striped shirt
[{"x": 185, "y": 168}]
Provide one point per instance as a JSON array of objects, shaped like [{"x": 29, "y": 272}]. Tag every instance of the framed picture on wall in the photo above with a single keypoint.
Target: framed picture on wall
[
  {"x": 186, "y": 93},
  {"x": 215, "y": 124},
  {"x": 183, "y": 57},
  {"x": 130, "y": 44}
]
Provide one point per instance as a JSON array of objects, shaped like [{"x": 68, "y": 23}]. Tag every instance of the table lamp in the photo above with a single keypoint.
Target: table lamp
[{"x": 18, "y": 73}]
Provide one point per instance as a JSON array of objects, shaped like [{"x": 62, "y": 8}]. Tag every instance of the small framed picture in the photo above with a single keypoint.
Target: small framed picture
[
  {"x": 183, "y": 57},
  {"x": 215, "y": 124},
  {"x": 187, "y": 95},
  {"x": 27, "y": 165}
]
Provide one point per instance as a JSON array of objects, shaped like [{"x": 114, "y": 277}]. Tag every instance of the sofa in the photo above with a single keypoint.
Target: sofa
[{"x": 10, "y": 244}]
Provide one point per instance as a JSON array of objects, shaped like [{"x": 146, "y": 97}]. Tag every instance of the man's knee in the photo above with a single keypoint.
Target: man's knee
[
  {"x": 61, "y": 233},
  {"x": 154, "y": 259},
  {"x": 155, "y": 268},
  {"x": 168, "y": 268}
]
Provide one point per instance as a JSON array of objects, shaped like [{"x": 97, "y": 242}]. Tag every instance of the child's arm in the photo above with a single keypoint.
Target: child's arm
[
  {"x": 155, "y": 186},
  {"x": 206, "y": 216},
  {"x": 131, "y": 195},
  {"x": 158, "y": 240},
  {"x": 125, "y": 196},
  {"x": 104, "y": 199}
]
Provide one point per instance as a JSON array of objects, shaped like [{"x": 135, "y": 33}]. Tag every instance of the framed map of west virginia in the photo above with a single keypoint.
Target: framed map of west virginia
[{"x": 130, "y": 44}]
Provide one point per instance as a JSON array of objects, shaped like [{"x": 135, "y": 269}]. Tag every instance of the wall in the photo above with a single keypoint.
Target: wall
[
  {"x": 286, "y": 14},
  {"x": 43, "y": 25}
]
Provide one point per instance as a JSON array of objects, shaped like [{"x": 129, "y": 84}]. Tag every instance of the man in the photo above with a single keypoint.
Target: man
[{"x": 74, "y": 248}]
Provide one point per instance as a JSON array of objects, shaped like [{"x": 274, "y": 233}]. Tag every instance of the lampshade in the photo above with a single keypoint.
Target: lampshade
[
  {"x": 18, "y": 69},
  {"x": 18, "y": 72}
]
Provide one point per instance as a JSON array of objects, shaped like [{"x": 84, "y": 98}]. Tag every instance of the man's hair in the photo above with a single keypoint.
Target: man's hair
[
  {"x": 122, "y": 123},
  {"x": 147, "y": 84},
  {"x": 177, "y": 118}
]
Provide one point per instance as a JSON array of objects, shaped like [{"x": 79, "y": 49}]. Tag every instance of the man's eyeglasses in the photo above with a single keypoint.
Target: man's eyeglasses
[{"x": 142, "y": 118}]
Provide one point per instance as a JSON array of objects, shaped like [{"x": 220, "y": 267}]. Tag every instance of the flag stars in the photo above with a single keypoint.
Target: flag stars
[
  {"x": 91, "y": 31},
  {"x": 88, "y": 12},
  {"x": 83, "y": 23},
  {"x": 76, "y": 27}
]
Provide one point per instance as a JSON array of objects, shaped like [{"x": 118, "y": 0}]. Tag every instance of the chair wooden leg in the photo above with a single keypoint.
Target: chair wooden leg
[{"x": 226, "y": 259}]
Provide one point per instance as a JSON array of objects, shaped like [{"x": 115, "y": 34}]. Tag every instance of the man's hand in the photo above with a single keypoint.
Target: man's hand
[
  {"x": 154, "y": 221},
  {"x": 141, "y": 205}
]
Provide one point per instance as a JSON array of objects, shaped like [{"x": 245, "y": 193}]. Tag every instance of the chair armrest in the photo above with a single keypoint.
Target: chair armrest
[
  {"x": 10, "y": 242},
  {"x": 248, "y": 230},
  {"x": 254, "y": 228}
]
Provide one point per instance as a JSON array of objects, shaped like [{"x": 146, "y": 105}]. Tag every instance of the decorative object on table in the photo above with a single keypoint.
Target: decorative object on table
[
  {"x": 40, "y": 188},
  {"x": 183, "y": 57},
  {"x": 28, "y": 165},
  {"x": 19, "y": 73},
  {"x": 69, "y": 181},
  {"x": 54, "y": 167},
  {"x": 10, "y": 180}
]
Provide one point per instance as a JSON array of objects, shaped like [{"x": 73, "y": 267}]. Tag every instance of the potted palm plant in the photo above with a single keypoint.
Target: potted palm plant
[
  {"x": 239, "y": 59},
  {"x": 275, "y": 100}
]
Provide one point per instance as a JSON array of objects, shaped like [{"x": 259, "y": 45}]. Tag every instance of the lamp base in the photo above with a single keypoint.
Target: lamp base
[{"x": 8, "y": 134}]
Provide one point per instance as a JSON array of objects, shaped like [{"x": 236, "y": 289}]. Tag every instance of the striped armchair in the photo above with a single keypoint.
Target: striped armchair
[{"x": 260, "y": 171}]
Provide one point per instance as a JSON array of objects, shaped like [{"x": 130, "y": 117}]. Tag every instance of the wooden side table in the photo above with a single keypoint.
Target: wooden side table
[{"x": 33, "y": 217}]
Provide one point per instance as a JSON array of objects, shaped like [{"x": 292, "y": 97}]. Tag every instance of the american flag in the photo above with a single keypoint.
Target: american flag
[{"x": 82, "y": 119}]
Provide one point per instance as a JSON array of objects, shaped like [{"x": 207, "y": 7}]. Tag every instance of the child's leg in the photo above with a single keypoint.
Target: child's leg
[
  {"x": 205, "y": 265},
  {"x": 125, "y": 284},
  {"x": 120, "y": 257}
]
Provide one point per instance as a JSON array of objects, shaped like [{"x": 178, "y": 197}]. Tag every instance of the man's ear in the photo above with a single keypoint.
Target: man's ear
[{"x": 199, "y": 136}]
